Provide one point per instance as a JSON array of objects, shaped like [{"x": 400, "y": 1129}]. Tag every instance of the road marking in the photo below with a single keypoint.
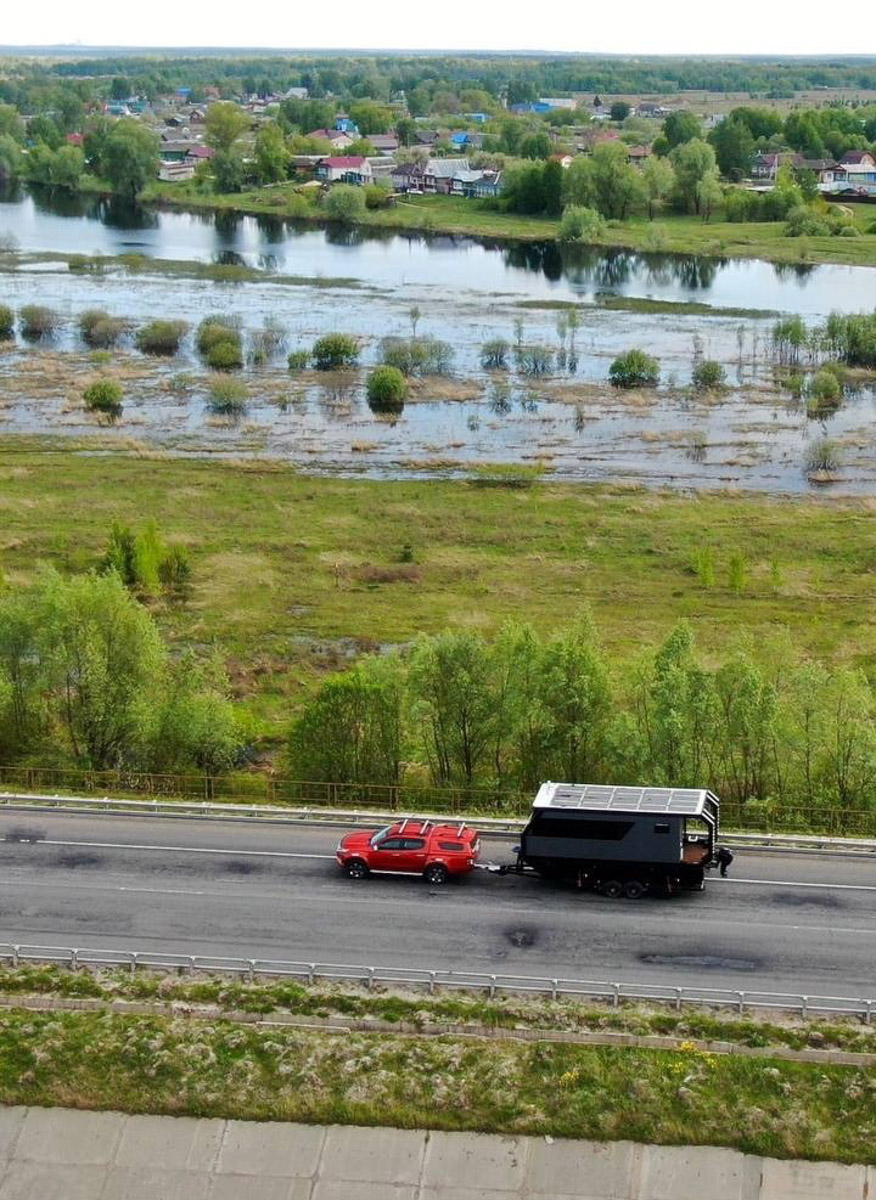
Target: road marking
[
  {"x": 844, "y": 887},
  {"x": 175, "y": 849}
]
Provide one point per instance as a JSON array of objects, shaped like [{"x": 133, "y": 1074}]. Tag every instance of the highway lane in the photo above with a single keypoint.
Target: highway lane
[{"x": 782, "y": 922}]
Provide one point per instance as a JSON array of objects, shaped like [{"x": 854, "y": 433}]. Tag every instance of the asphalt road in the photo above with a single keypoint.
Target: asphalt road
[{"x": 781, "y": 922}]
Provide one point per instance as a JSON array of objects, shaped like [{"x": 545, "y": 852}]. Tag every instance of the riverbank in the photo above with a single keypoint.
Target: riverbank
[{"x": 670, "y": 233}]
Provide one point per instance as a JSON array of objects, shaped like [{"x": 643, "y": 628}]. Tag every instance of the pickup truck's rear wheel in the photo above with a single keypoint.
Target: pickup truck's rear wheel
[
  {"x": 357, "y": 869},
  {"x": 634, "y": 889},
  {"x": 613, "y": 888},
  {"x": 436, "y": 874}
]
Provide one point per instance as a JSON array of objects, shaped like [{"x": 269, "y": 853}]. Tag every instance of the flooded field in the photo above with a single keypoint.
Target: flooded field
[{"x": 752, "y": 434}]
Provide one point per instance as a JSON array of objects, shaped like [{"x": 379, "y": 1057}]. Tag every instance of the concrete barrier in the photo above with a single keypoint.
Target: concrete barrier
[{"x": 63, "y": 1154}]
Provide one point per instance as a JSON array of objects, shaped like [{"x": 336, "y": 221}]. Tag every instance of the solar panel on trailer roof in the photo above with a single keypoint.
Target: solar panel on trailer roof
[{"x": 687, "y": 802}]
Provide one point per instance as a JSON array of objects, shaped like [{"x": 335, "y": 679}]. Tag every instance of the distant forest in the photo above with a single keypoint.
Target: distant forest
[{"x": 382, "y": 76}]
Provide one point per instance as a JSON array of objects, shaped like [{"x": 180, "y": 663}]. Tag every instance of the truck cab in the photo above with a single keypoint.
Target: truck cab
[{"x": 622, "y": 840}]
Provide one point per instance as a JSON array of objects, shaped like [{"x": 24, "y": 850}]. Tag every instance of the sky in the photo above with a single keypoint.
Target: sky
[{"x": 633, "y": 27}]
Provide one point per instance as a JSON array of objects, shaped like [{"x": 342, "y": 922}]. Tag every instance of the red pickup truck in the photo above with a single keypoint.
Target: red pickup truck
[{"x": 434, "y": 850}]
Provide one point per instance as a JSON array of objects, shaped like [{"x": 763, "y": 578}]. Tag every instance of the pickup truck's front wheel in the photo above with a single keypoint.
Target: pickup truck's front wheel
[{"x": 357, "y": 869}]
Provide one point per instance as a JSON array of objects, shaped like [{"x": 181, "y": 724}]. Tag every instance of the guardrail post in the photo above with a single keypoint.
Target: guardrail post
[
  {"x": 555, "y": 988},
  {"x": 311, "y": 972},
  {"x": 251, "y": 970},
  {"x": 492, "y": 986},
  {"x": 74, "y": 960},
  {"x": 191, "y": 964},
  {"x": 432, "y": 976},
  {"x": 16, "y": 951},
  {"x": 868, "y": 1012},
  {"x": 678, "y": 999},
  {"x": 615, "y": 999},
  {"x": 369, "y": 982},
  {"x": 741, "y": 1001},
  {"x": 134, "y": 962},
  {"x": 804, "y": 1007}
]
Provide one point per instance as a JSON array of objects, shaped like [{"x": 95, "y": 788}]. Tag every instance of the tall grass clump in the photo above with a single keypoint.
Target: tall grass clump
[
  {"x": 266, "y": 342},
  {"x": 7, "y": 321},
  {"x": 634, "y": 369},
  {"x": 99, "y": 330},
  {"x": 104, "y": 396},
  {"x": 227, "y": 397},
  {"x": 823, "y": 457},
  {"x": 335, "y": 351},
  {"x": 534, "y": 360},
  {"x": 494, "y": 355},
  {"x": 37, "y": 322},
  {"x": 417, "y": 356},
  {"x": 219, "y": 342}
]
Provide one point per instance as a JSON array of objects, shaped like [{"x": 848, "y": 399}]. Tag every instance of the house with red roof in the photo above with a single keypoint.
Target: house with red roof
[{"x": 352, "y": 168}]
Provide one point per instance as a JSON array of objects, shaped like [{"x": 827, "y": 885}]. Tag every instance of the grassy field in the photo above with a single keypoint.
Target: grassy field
[
  {"x": 180, "y": 1066},
  {"x": 675, "y": 233},
  {"x": 293, "y": 574},
  {"x": 416, "y": 1009}
]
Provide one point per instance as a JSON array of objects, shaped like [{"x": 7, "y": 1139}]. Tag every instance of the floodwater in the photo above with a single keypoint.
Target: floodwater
[{"x": 753, "y": 435}]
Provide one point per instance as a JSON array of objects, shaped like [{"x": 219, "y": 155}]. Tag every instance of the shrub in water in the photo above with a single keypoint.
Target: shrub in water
[
  {"x": 335, "y": 351},
  {"x": 387, "y": 388},
  {"x": 535, "y": 360},
  {"x": 634, "y": 369},
  {"x": 7, "y": 321},
  {"x": 37, "y": 321},
  {"x": 708, "y": 374},
  {"x": 104, "y": 395},
  {"x": 216, "y": 329},
  {"x": 227, "y": 396},
  {"x": 417, "y": 356},
  {"x": 823, "y": 456},
  {"x": 825, "y": 392},
  {"x": 161, "y": 337},
  {"x": 494, "y": 355},
  {"x": 225, "y": 356},
  {"x": 99, "y": 329},
  {"x": 265, "y": 343},
  {"x": 298, "y": 360}
]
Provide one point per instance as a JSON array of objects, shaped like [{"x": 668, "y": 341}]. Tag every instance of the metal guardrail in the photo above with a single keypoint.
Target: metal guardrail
[
  {"x": 370, "y": 817},
  {"x": 434, "y": 980}
]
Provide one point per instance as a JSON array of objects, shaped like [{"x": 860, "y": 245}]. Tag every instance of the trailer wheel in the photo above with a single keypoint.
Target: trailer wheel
[
  {"x": 634, "y": 889},
  {"x": 357, "y": 869},
  {"x": 613, "y": 888}
]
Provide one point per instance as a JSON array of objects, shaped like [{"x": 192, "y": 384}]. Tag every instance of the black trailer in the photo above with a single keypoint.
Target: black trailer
[{"x": 622, "y": 841}]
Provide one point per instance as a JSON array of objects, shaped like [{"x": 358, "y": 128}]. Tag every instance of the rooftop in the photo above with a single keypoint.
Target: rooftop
[{"x": 682, "y": 802}]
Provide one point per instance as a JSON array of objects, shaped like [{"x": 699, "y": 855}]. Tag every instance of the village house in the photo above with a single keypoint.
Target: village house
[
  {"x": 637, "y": 156},
  {"x": 383, "y": 143},
  {"x": 344, "y": 169},
  {"x": 338, "y": 139},
  {"x": 565, "y": 160}
]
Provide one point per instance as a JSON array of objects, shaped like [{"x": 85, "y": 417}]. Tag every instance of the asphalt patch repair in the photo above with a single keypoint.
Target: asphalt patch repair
[{"x": 709, "y": 962}]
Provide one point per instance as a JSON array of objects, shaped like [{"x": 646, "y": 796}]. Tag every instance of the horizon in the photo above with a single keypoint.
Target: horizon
[{"x": 234, "y": 50}]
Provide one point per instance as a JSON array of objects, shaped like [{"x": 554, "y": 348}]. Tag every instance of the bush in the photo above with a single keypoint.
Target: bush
[
  {"x": 298, "y": 360},
  {"x": 803, "y": 222},
  {"x": 387, "y": 389},
  {"x": 535, "y": 360},
  {"x": 825, "y": 391},
  {"x": 104, "y": 395},
  {"x": 175, "y": 572},
  {"x": 182, "y": 383},
  {"x": 494, "y": 355},
  {"x": 708, "y": 375},
  {"x": 225, "y": 356},
  {"x": 634, "y": 369},
  {"x": 161, "y": 338},
  {"x": 99, "y": 329},
  {"x": 417, "y": 356},
  {"x": 580, "y": 224},
  {"x": 227, "y": 396},
  {"x": 823, "y": 456},
  {"x": 335, "y": 351},
  {"x": 37, "y": 321},
  {"x": 345, "y": 202},
  {"x": 7, "y": 321},
  {"x": 871, "y": 228},
  {"x": 848, "y": 231},
  {"x": 214, "y": 330},
  {"x": 376, "y": 195}
]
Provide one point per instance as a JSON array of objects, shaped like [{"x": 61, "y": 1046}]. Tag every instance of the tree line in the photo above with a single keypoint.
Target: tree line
[{"x": 765, "y": 729}]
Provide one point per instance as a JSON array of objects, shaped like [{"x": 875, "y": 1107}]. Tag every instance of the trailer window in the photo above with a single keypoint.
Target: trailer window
[
  {"x": 662, "y": 827},
  {"x": 547, "y": 825}
]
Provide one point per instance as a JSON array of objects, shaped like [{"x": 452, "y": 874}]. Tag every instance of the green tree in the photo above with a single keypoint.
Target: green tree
[
  {"x": 11, "y": 158},
  {"x": 552, "y": 186},
  {"x": 681, "y": 127},
  {"x": 351, "y": 730},
  {"x": 658, "y": 181},
  {"x": 271, "y": 155},
  {"x": 345, "y": 202},
  {"x": 130, "y": 157},
  {"x": 43, "y": 129},
  {"x": 11, "y": 124},
  {"x": 224, "y": 124},
  {"x": 617, "y": 186},
  {"x": 228, "y": 171},
  {"x": 619, "y": 111},
  {"x": 370, "y": 117},
  {"x": 21, "y": 674},
  {"x": 406, "y": 131},
  {"x": 693, "y": 163},
  {"x": 189, "y": 720},
  {"x": 733, "y": 144},
  {"x": 575, "y": 698},
  {"x": 536, "y": 145},
  {"x": 451, "y": 683},
  {"x": 103, "y": 651}
]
